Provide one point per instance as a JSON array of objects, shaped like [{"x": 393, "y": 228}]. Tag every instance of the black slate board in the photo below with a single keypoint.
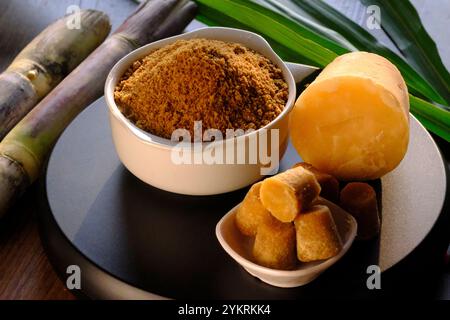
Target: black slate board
[{"x": 135, "y": 241}]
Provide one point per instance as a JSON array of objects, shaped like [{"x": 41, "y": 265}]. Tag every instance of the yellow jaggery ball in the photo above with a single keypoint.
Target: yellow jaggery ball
[{"x": 353, "y": 120}]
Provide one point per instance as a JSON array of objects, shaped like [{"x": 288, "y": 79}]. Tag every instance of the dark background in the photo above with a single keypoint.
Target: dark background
[{"x": 25, "y": 272}]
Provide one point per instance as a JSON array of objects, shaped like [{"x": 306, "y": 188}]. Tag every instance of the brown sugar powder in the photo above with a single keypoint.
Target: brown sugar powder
[{"x": 224, "y": 85}]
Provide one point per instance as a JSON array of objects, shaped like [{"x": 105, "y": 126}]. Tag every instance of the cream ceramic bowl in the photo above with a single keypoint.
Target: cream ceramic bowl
[
  {"x": 239, "y": 248},
  {"x": 150, "y": 158}
]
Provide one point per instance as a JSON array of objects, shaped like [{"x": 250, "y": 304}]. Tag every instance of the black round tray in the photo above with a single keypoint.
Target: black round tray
[{"x": 134, "y": 241}]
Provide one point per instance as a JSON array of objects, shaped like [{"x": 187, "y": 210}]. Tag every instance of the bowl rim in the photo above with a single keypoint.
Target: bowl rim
[
  {"x": 247, "y": 264},
  {"x": 148, "y": 138}
]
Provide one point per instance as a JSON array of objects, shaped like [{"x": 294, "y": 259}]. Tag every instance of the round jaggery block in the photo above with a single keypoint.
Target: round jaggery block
[
  {"x": 288, "y": 193},
  {"x": 353, "y": 121}
]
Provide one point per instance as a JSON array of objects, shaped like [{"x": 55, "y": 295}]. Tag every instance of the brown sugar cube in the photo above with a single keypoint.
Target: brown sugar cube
[
  {"x": 287, "y": 194},
  {"x": 251, "y": 212},
  {"x": 274, "y": 245},
  {"x": 317, "y": 235},
  {"x": 360, "y": 200},
  {"x": 329, "y": 185}
]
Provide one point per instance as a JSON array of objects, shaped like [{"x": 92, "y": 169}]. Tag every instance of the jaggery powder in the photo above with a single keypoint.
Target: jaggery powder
[{"x": 224, "y": 85}]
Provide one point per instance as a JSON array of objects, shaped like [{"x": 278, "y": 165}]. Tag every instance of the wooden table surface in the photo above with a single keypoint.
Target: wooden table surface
[{"x": 25, "y": 272}]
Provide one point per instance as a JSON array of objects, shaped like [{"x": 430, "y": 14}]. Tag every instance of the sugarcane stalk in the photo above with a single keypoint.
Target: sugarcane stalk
[
  {"x": 45, "y": 61},
  {"x": 24, "y": 150}
]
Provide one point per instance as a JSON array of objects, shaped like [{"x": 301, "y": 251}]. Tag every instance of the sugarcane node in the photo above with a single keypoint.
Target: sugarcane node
[
  {"x": 32, "y": 74},
  {"x": 44, "y": 62},
  {"x": 13, "y": 182}
]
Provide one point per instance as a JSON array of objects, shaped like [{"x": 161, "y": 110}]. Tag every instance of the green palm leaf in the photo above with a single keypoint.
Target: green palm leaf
[
  {"x": 364, "y": 41},
  {"x": 400, "y": 21},
  {"x": 435, "y": 119},
  {"x": 297, "y": 41},
  {"x": 295, "y": 37},
  {"x": 212, "y": 17},
  {"x": 294, "y": 12}
]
